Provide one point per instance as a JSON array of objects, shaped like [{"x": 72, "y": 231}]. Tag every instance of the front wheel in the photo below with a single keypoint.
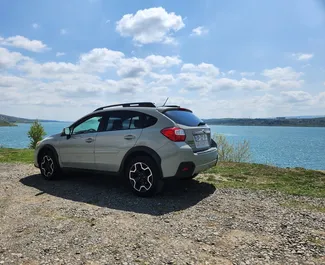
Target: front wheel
[
  {"x": 49, "y": 167},
  {"x": 144, "y": 177}
]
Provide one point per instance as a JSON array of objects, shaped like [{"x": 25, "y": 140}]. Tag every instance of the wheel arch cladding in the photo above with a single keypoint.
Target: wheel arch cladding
[
  {"x": 47, "y": 148},
  {"x": 140, "y": 151}
]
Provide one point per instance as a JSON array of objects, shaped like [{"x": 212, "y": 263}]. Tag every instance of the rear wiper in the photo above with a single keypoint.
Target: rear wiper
[{"x": 201, "y": 123}]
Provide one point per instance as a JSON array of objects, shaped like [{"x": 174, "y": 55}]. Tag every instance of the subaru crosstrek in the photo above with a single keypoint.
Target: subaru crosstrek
[{"x": 139, "y": 141}]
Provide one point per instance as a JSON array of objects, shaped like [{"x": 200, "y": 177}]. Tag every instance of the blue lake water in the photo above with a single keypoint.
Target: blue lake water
[{"x": 279, "y": 146}]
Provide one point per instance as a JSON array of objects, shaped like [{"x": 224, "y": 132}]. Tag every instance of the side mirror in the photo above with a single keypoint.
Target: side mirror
[{"x": 66, "y": 132}]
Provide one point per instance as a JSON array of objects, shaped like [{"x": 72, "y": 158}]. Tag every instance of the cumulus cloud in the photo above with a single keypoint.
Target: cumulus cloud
[
  {"x": 204, "y": 68},
  {"x": 199, "y": 31},
  {"x": 302, "y": 56},
  {"x": 296, "y": 96},
  {"x": 24, "y": 43},
  {"x": 153, "y": 25},
  {"x": 102, "y": 76},
  {"x": 285, "y": 77},
  {"x": 99, "y": 59},
  {"x": 279, "y": 73},
  {"x": 161, "y": 61},
  {"x": 10, "y": 59},
  {"x": 132, "y": 67}
]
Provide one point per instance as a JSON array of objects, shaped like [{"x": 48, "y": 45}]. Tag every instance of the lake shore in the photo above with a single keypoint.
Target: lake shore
[{"x": 294, "y": 181}]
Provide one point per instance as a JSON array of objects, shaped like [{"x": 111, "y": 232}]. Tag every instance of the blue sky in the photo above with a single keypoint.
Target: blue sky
[{"x": 61, "y": 59}]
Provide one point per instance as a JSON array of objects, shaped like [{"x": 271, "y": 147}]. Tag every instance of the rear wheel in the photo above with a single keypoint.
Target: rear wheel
[
  {"x": 49, "y": 166},
  {"x": 144, "y": 177}
]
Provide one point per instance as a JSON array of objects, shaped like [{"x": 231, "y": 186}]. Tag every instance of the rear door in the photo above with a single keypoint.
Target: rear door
[
  {"x": 198, "y": 134},
  {"x": 121, "y": 132}
]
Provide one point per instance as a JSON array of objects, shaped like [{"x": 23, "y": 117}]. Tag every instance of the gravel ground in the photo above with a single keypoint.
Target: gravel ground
[{"x": 96, "y": 220}]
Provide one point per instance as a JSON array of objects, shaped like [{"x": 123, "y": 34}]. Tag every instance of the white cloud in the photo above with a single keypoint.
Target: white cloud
[
  {"x": 205, "y": 68},
  {"x": 283, "y": 77},
  {"x": 199, "y": 31},
  {"x": 102, "y": 76},
  {"x": 247, "y": 73},
  {"x": 63, "y": 31},
  {"x": 35, "y": 25},
  {"x": 285, "y": 73},
  {"x": 161, "y": 61},
  {"x": 24, "y": 43},
  {"x": 59, "y": 54},
  {"x": 231, "y": 72},
  {"x": 99, "y": 59},
  {"x": 296, "y": 96},
  {"x": 150, "y": 25},
  {"x": 132, "y": 67},
  {"x": 289, "y": 84},
  {"x": 10, "y": 59},
  {"x": 302, "y": 56}
]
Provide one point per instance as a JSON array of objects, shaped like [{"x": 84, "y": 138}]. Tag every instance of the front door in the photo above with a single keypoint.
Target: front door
[{"x": 77, "y": 151}]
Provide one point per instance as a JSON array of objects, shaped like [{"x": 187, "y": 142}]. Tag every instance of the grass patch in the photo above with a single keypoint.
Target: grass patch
[
  {"x": 295, "y": 181},
  {"x": 16, "y": 155},
  {"x": 303, "y": 205}
]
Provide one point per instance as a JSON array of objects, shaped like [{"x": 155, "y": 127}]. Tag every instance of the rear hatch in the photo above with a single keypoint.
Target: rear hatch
[{"x": 198, "y": 134}]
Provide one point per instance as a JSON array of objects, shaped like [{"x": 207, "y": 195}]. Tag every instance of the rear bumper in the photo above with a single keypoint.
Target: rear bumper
[{"x": 173, "y": 163}]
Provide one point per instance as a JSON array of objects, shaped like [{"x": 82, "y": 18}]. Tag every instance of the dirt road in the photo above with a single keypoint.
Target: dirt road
[{"x": 96, "y": 220}]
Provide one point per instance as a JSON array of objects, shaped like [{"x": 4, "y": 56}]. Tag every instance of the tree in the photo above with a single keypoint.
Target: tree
[
  {"x": 231, "y": 152},
  {"x": 35, "y": 134}
]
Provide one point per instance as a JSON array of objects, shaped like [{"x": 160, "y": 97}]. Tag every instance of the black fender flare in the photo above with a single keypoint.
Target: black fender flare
[
  {"x": 50, "y": 147},
  {"x": 141, "y": 149}
]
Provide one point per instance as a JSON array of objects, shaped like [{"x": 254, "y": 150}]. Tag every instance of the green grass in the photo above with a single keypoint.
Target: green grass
[
  {"x": 16, "y": 155},
  {"x": 295, "y": 181},
  {"x": 303, "y": 205}
]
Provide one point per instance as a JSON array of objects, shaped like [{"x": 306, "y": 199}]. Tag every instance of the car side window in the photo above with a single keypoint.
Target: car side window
[
  {"x": 125, "y": 120},
  {"x": 90, "y": 125}
]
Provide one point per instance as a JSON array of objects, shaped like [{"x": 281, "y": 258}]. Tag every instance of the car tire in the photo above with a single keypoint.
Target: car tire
[
  {"x": 49, "y": 166},
  {"x": 144, "y": 177}
]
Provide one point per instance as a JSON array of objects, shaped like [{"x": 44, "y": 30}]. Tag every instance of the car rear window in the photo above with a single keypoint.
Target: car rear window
[{"x": 184, "y": 117}]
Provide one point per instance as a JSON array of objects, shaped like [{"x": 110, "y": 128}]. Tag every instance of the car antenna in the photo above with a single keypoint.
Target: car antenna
[{"x": 165, "y": 102}]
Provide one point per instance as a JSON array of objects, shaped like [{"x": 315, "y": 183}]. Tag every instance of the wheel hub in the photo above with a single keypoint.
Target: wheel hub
[
  {"x": 140, "y": 176},
  {"x": 47, "y": 166}
]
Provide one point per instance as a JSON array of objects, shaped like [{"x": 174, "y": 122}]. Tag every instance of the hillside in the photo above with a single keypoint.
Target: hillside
[
  {"x": 12, "y": 119},
  {"x": 5, "y": 123},
  {"x": 294, "y": 122}
]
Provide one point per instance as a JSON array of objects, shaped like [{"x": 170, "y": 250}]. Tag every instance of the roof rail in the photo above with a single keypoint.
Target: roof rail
[{"x": 133, "y": 104}]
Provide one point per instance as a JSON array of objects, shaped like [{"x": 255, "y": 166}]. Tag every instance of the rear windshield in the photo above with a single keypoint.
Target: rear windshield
[{"x": 184, "y": 118}]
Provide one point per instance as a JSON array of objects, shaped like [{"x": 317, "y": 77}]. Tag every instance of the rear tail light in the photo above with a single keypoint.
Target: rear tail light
[{"x": 174, "y": 134}]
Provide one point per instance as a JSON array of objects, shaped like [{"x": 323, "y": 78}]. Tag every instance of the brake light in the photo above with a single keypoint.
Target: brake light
[{"x": 174, "y": 134}]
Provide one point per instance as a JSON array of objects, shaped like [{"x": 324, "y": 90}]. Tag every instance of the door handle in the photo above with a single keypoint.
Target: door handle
[
  {"x": 89, "y": 140},
  {"x": 129, "y": 137}
]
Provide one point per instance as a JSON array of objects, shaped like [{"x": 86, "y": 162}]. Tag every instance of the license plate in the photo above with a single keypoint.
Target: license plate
[{"x": 201, "y": 140}]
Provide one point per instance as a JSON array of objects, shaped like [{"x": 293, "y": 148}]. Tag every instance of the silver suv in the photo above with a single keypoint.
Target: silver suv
[{"x": 139, "y": 141}]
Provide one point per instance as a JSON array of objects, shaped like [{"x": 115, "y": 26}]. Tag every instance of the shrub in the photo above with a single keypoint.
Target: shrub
[
  {"x": 35, "y": 134},
  {"x": 232, "y": 152}
]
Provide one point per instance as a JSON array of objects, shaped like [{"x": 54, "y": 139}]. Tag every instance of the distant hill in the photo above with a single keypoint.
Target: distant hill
[
  {"x": 5, "y": 123},
  {"x": 280, "y": 121},
  {"x": 12, "y": 119}
]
